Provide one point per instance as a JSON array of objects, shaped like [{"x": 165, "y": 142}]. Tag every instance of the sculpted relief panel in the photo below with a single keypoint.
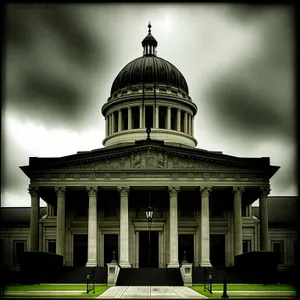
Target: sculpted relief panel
[{"x": 149, "y": 159}]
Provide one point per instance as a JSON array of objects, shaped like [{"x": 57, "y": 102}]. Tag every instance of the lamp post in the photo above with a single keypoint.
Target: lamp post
[{"x": 149, "y": 216}]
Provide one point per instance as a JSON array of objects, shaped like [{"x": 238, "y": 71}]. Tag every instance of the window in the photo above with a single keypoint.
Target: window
[
  {"x": 278, "y": 248},
  {"x": 51, "y": 246},
  {"x": 162, "y": 116},
  {"x": 19, "y": 246},
  {"x": 296, "y": 253},
  {"x": 244, "y": 211},
  {"x": 136, "y": 117},
  {"x": 246, "y": 246},
  {"x": 1, "y": 251}
]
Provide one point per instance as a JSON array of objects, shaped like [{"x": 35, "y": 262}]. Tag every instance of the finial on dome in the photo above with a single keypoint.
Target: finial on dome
[{"x": 149, "y": 26}]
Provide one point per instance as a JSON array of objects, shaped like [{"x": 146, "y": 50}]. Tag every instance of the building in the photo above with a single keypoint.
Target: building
[{"x": 96, "y": 200}]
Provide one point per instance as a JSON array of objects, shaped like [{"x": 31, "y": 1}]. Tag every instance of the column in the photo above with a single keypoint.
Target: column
[
  {"x": 190, "y": 124},
  {"x": 205, "y": 247},
  {"x": 106, "y": 126},
  {"x": 34, "y": 217},
  {"x": 60, "y": 227},
  {"x": 193, "y": 129},
  {"x": 185, "y": 122},
  {"x": 169, "y": 117},
  {"x": 92, "y": 226},
  {"x": 110, "y": 126},
  {"x": 129, "y": 118},
  {"x": 141, "y": 116},
  {"x": 157, "y": 116},
  {"x": 237, "y": 215},
  {"x": 137, "y": 249},
  {"x": 173, "y": 192},
  {"x": 124, "y": 227},
  {"x": 263, "y": 212},
  {"x": 119, "y": 120},
  {"x": 178, "y": 119},
  {"x": 113, "y": 123}
]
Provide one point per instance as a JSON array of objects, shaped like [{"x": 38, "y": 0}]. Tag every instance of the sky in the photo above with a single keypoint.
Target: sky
[{"x": 60, "y": 61}]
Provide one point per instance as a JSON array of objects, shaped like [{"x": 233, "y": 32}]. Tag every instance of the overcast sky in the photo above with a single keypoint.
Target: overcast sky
[{"x": 61, "y": 60}]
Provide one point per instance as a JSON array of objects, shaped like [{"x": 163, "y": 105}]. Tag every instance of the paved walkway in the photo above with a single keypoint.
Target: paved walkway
[{"x": 168, "y": 292}]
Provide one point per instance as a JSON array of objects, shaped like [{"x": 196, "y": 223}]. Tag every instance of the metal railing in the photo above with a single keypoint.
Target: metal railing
[{"x": 90, "y": 282}]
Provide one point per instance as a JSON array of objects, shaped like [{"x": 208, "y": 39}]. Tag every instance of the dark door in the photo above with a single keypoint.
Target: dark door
[
  {"x": 217, "y": 250},
  {"x": 146, "y": 249},
  {"x": 110, "y": 245},
  {"x": 80, "y": 249},
  {"x": 186, "y": 243}
]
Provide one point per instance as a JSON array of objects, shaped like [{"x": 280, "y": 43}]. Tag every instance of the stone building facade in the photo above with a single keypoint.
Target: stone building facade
[{"x": 96, "y": 200}]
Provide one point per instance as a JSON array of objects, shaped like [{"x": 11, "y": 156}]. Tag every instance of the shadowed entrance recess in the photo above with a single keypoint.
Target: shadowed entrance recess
[
  {"x": 144, "y": 249},
  {"x": 80, "y": 249}
]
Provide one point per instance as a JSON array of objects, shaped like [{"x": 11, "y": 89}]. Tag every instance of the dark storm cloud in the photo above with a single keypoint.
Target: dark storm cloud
[
  {"x": 256, "y": 96},
  {"x": 50, "y": 59}
]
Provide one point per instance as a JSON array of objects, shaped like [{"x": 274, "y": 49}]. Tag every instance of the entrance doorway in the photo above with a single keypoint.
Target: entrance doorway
[
  {"x": 186, "y": 243},
  {"x": 80, "y": 245},
  {"x": 110, "y": 245},
  {"x": 145, "y": 248},
  {"x": 217, "y": 250}
]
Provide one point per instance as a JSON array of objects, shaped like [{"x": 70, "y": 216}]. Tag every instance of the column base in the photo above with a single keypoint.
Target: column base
[
  {"x": 173, "y": 264},
  {"x": 124, "y": 264},
  {"x": 91, "y": 263},
  {"x": 205, "y": 263}
]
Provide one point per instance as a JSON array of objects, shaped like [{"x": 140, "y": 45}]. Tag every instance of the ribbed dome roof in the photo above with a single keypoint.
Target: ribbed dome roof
[{"x": 149, "y": 69}]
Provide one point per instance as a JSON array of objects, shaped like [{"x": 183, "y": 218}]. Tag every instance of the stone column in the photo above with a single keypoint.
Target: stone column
[
  {"x": 61, "y": 216},
  {"x": 137, "y": 249},
  {"x": 190, "y": 124},
  {"x": 113, "y": 123},
  {"x": 263, "y": 213},
  {"x": 119, "y": 120},
  {"x": 129, "y": 118},
  {"x": 124, "y": 228},
  {"x": 141, "y": 116},
  {"x": 92, "y": 226},
  {"x": 34, "y": 217},
  {"x": 238, "y": 227},
  {"x": 157, "y": 116},
  {"x": 173, "y": 191},
  {"x": 169, "y": 117},
  {"x": 193, "y": 126},
  {"x": 110, "y": 126},
  {"x": 106, "y": 126},
  {"x": 185, "y": 122},
  {"x": 178, "y": 119},
  {"x": 205, "y": 246}
]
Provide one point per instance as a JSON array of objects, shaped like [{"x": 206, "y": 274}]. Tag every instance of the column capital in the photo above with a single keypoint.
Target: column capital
[
  {"x": 60, "y": 191},
  {"x": 123, "y": 190},
  {"x": 205, "y": 191},
  {"x": 264, "y": 191},
  {"x": 173, "y": 190},
  {"x": 238, "y": 190},
  {"x": 33, "y": 190},
  {"x": 92, "y": 191}
]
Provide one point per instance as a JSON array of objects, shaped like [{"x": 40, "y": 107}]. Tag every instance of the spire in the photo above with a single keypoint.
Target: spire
[
  {"x": 149, "y": 26},
  {"x": 149, "y": 43}
]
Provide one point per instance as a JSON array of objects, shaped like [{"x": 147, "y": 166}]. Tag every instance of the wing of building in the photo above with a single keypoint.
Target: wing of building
[{"x": 96, "y": 200}]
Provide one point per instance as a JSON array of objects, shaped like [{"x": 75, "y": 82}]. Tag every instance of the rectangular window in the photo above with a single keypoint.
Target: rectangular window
[
  {"x": 51, "y": 246},
  {"x": 162, "y": 116},
  {"x": 125, "y": 118},
  {"x": 173, "y": 118},
  {"x": 296, "y": 253},
  {"x": 246, "y": 246},
  {"x": 149, "y": 116},
  {"x": 278, "y": 248},
  {"x": 19, "y": 246},
  {"x": 182, "y": 121}
]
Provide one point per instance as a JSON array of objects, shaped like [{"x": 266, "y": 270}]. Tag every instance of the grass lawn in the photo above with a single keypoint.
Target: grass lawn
[
  {"x": 244, "y": 290},
  {"x": 40, "y": 290}
]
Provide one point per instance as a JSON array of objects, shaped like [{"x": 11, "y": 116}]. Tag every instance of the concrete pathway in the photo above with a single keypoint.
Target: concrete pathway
[{"x": 158, "y": 292}]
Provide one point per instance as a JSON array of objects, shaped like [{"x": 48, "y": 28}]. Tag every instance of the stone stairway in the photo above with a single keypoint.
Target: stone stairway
[{"x": 156, "y": 276}]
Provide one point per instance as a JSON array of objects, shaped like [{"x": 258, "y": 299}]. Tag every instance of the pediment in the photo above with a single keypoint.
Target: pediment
[{"x": 150, "y": 159}]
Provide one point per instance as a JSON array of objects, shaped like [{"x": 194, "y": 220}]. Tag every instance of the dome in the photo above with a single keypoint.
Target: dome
[{"x": 149, "y": 69}]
